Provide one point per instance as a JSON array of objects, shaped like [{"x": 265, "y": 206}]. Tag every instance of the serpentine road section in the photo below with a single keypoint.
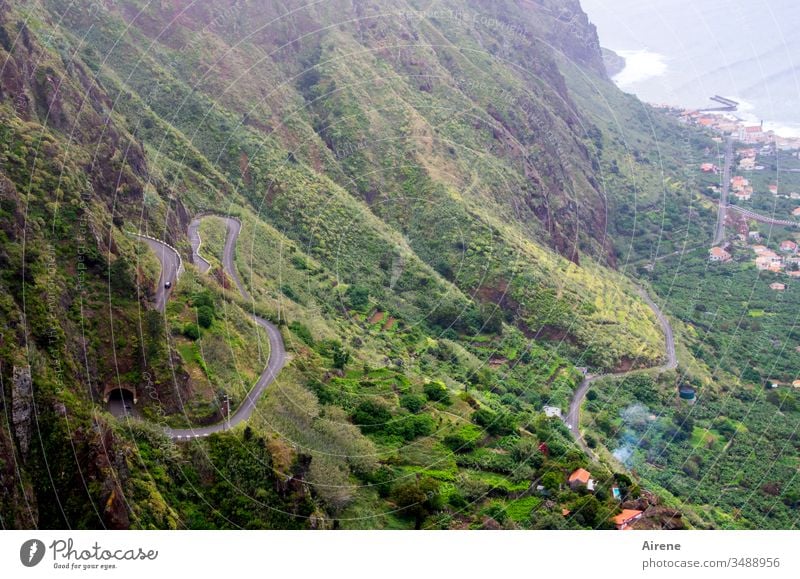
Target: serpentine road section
[
  {"x": 573, "y": 418},
  {"x": 277, "y": 352},
  {"x": 171, "y": 265}
]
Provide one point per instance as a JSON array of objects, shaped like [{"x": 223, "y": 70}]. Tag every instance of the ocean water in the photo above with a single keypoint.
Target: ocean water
[{"x": 681, "y": 52}]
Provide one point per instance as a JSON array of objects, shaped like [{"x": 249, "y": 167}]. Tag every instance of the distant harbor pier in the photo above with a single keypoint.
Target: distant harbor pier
[{"x": 728, "y": 105}]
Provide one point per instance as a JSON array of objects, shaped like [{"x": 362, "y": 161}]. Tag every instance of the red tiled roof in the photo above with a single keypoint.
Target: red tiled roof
[
  {"x": 625, "y": 516},
  {"x": 581, "y": 475}
]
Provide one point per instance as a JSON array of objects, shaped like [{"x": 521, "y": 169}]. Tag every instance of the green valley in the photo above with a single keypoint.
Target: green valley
[{"x": 445, "y": 216}]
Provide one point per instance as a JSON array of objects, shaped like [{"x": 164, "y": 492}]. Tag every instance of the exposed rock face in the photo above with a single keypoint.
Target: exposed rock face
[
  {"x": 22, "y": 407},
  {"x": 572, "y": 32},
  {"x": 17, "y": 498}
]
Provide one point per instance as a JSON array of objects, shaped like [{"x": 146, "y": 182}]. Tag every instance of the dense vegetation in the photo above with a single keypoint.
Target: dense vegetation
[{"x": 733, "y": 453}]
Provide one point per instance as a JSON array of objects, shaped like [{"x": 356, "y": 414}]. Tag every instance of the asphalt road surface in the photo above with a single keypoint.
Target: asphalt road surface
[
  {"x": 277, "y": 351},
  {"x": 122, "y": 408},
  {"x": 573, "y": 418},
  {"x": 170, "y": 262},
  {"x": 719, "y": 233}
]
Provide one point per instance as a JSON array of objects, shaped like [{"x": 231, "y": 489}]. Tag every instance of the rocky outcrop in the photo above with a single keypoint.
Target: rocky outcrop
[
  {"x": 574, "y": 35},
  {"x": 22, "y": 407}
]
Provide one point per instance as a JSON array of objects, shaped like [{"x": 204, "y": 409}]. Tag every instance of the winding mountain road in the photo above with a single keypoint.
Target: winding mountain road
[
  {"x": 573, "y": 418},
  {"x": 194, "y": 240},
  {"x": 277, "y": 351},
  {"x": 170, "y": 266}
]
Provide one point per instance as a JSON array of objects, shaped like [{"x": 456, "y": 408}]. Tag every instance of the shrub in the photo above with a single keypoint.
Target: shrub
[
  {"x": 203, "y": 298},
  {"x": 299, "y": 262},
  {"x": 205, "y": 316},
  {"x": 495, "y": 424},
  {"x": 371, "y": 416},
  {"x": 457, "y": 500},
  {"x": 289, "y": 292},
  {"x": 465, "y": 439},
  {"x": 437, "y": 392},
  {"x": 551, "y": 481},
  {"x": 191, "y": 331},
  {"x": 357, "y": 296},
  {"x": 121, "y": 277},
  {"x": 382, "y": 478},
  {"x": 412, "y": 426},
  {"x": 302, "y": 332},
  {"x": 412, "y": 402}
]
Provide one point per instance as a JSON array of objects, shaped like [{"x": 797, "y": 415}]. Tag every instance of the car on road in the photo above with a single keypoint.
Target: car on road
[{"x": 168, "y": 285}]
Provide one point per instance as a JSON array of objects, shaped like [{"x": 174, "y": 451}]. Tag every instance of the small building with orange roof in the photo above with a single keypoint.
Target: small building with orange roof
[
  {"x": 718, "y": 254},
  {"x": 581, "y": 478},
  {"x": 627, "y": 517}
]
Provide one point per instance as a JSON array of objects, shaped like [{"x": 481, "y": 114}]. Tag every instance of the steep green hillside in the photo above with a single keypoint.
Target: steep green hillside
[{"x": 424, "y": 212}]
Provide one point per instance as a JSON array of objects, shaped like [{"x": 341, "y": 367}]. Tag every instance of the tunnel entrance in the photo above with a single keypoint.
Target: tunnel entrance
[
  {"x": 120, "y": 401},
  {"x": 119, "y": 393}
]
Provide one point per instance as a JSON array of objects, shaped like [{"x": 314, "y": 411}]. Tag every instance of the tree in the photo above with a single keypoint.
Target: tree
[
  {"x": 121, "y": 278},
  {"x": 357, "y": 296},
  {"x": 551, "y": 481},
  {"x": 371, "y": 416},
  {"x": 437, "y": 392},
  {"x": 491, "y": 317},
  {"x": 418, "y": 498},
  {"x": 412, "y": 402},
  {"x": 203, "y": 298},
  {"x": 588, "y": 511},
  {"x": 154, "y": 325},
  {"x": 546, "y": 520},
  {"x": 495, "y": 424}
]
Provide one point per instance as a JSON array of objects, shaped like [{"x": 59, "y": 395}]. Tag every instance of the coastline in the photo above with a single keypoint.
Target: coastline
[{"x": 626, "y": 68}]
